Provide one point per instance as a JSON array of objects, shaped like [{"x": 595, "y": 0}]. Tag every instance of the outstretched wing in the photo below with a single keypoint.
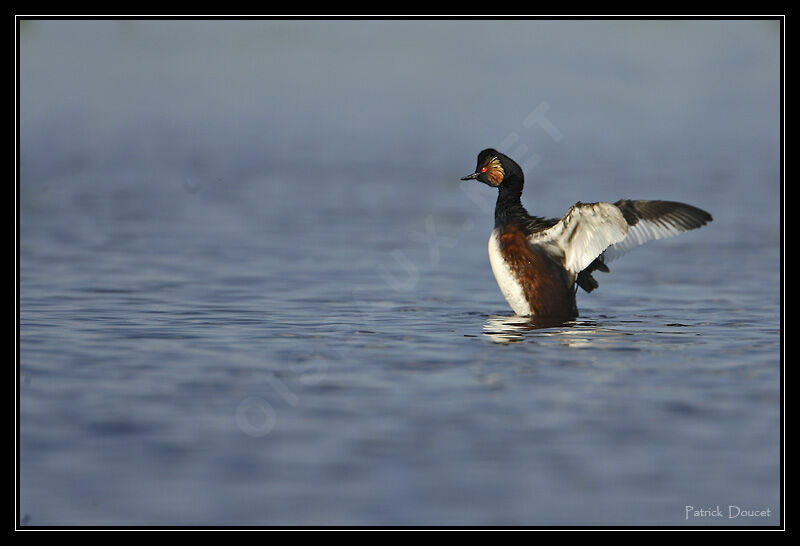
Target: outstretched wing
[
  {"x": 585, "y": 231},
  {"x": 648, "y": 220},
  {"x": 592, "y": 234}
]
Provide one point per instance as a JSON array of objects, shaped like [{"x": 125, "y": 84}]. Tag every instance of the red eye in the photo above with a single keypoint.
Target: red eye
[{"x": 483, "y": 169}]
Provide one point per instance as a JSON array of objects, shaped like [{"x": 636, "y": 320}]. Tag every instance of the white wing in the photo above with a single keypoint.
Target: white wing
[
  {"x": 648, "y": 220},
  {"x": 585, "y": 231}
]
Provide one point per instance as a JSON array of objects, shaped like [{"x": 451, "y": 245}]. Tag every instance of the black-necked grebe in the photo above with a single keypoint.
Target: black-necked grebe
[{"x": 540, "y": 262}]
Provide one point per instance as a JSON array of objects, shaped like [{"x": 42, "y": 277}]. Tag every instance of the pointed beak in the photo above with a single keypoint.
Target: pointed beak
[{"x": 472, "y": 176}]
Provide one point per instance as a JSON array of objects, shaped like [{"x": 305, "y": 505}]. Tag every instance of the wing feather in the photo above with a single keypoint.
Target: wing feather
[
  {"x": 607, "y": 230},
  {"x": 585, "y": 231},
  {"x": 649, "y": 220}
]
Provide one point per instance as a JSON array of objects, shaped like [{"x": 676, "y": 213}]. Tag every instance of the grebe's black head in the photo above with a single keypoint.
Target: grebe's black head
[{"x": 494, "y": 168}]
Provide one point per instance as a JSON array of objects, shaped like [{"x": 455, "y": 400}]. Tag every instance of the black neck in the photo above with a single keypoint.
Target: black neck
[{"x": 509, "y": 207}]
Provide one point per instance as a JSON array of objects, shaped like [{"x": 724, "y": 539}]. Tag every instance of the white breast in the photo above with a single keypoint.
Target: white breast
[{"x": 506, "y": 279}]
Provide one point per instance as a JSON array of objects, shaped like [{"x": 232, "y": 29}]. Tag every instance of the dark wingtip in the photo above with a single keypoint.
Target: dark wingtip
[{"x": 687, "y": 216}]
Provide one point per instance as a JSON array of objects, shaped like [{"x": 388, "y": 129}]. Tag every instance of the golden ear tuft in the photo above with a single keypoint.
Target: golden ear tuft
[{"x": 494, "y": 171}]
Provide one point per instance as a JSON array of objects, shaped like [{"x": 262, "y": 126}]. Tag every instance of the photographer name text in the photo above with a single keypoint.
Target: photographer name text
[{"x": 731, "y": 512}]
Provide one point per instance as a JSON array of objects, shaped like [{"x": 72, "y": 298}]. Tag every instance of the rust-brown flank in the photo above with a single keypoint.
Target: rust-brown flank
[
  {"x": 546, "y": 286},
  {"x": 494, "y": 171}
]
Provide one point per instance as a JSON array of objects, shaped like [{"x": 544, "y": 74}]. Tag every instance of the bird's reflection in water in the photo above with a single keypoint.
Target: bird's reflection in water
[
  {"x": 574, "y": 333},
  {"x": 512, "y": 329}
]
